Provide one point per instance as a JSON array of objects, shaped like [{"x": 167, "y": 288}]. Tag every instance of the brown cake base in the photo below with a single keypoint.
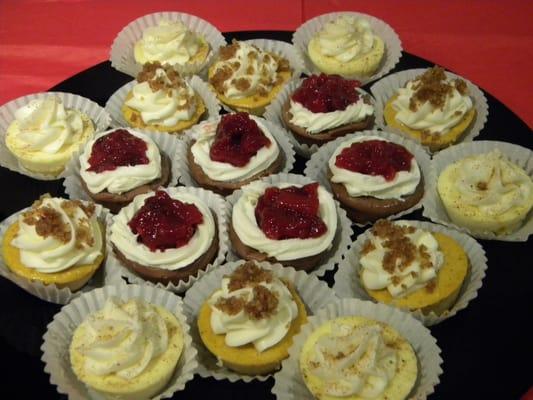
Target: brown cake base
[
  {"x": 250, "y": 254},
  {"x": 365, "y": 209},
  {"x": 304, "y": 137},
  {"x": 115, "y": 202},
  {"x": 226, "y": 188},
  {"x": 159, "y": 275}
]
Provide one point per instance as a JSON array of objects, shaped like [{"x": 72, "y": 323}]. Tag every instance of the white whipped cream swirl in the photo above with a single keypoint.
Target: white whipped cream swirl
[
  {"x": 161, "y": 108},
  {"x": 249, "y": 232},
  {"x": 125, "y": 177},
  {"x": 240, "y": 329},
  {"x": 123, "y": 338},
  {"x": 49, "y": 254},
  {"x": 170, "y": 259},
  {"x": 169, "y": 42},
  {"x": 205, "y": 134},
  {"x": 354, "y": 361},
  {"x": 427, "y": 117},
  {"x": 358, "y": 184},
  {"x": 400, "y": 282}
]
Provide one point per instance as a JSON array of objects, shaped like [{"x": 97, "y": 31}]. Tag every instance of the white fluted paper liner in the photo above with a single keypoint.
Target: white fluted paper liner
[
  {"x": 274, "y": 111},
  {"x": 393, "y": 45},
  {"x": 279, "y": 133},
  {"x": 97, "y": 114},
  {"x": 289, "y": 384},
  {"x": 342, "y": 236},
  {"x": 122, "y": 57},
  {"x": 219, "y": 207},
  {"x": 388, "y": 86},
  {"x": 52, "y": 293},
  {"x": 317, "y": 167},
  {"x": 283, "y": 49},
  {"x": 116, "y": 101},
  {"x": 56, "y": 340},
  {"x": 314, "y": 293},
  {"x": 348, "y": 282},
  {"x": 435, "y": 210},
  {"x": 166, "y": 144}
]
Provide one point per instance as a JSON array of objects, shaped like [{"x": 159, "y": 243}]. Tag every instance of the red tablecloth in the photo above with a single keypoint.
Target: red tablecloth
[{"x": 488, "y": 42}]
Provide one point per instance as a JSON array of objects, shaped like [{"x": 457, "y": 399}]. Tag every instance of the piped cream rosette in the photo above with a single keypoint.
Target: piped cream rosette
[
  {"x": 317, "y": 166},
  {"x": 57, "y": 339},
  {"x": 51, "y": 292},
  {"x": 289, "y": 383},
  {"x": 205, "y": 133},
  {"x": 393, "y": 46},
  {"x": 314, "y": 293},
  {"x": 348, "y": 283},
  {"x": 274, "y": 111},
  {"x": 206, "y": 201},
  {"x": 98, "y": 115},
  {"x": 122, "y": 51},
  {"x": 341, "y": 237},
  {"x": 387, "y": 87},
  {"x": 116, "y": 101},
  {"x": 518, "y": 155}
]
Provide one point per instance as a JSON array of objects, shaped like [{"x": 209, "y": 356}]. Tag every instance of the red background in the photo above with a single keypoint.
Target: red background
[{"x": 488, "y": 42}]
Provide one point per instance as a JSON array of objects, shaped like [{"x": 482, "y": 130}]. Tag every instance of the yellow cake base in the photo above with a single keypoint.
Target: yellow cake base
[
  {"x": 246, "y": 359},
  {"x": 73, "y": 278},
  {"x": 149, "y": 383},
  {"x": 449, "y": 281}
]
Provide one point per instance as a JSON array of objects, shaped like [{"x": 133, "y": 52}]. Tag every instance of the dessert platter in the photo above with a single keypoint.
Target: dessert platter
[{"x": 307, "y": 215}]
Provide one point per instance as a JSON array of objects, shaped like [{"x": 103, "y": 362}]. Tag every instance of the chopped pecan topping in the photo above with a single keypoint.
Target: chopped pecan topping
[
  {"x": 227, "y": 52},
  {"x": 248, "y": 275},
  {"x": 149, "y": 74},
  {"x": 231, "y": 305},
  {"x": 263, "y": 304},
  {"x": 48, "y": 222},
  {"x": 220, "y": 76},
  {"x": 242, "y": 84},
  {"x": 368, "y": 246}
]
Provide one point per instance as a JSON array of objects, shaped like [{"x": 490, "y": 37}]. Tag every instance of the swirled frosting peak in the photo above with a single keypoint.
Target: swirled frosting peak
[
  {"x": 252, "y": 306},
  {"x": 56, "y": 234},
  {"x": 123, "y": 338}
]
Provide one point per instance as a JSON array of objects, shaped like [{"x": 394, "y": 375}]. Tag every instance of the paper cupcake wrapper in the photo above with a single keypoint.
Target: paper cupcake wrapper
[
  {"x": 117, "y": 99},
  {"x": 393, "y": 45},
  {"x": 72, "y": 183},
  {"x": 274, "y": 110},
  {"x": 283, "y": 49},
  {"x": 435, "y": 210},
  {"x": 56, "y": 340},
  {"x": 280, "y": 134},
  {"x": 348, "y": 282},
  {"x": 217, "y": 204},
  {"x": 289, "y": 383},
  {"x": 52, "y": 293},
  {"x": 97, "y": 114},
  {"x": 314, "y": 293},
  {"x": 121, "y": 55},
  {"x": 342, "y": 237},
  {"x": 317, "y": 166},
  {"x": 388, "y": 86}
]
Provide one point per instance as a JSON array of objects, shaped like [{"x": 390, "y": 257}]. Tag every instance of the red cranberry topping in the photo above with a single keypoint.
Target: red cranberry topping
[
  {"x": 289, "y": 213},
  {"x": 164, "y": 223},
  {"x": 117, "y": 149},
  {"x": 237, "y": 140},
  {"x": 326, "y": 93},
  {"x": 375, "y": 157}
]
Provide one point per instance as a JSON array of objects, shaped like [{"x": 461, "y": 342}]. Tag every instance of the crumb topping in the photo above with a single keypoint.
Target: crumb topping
[
  {"x": 231, "y": 305},
  {"x": 432, "y": 86},
  {"x": 248, "y": 275},
  {"x": 263, "y": 304},
  {"x": 158, "y": 82}
]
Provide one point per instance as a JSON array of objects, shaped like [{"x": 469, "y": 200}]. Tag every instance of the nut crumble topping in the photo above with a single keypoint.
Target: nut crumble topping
[
  {"x": 148, "y": 74},
  {"x": 248, "y": 275}
]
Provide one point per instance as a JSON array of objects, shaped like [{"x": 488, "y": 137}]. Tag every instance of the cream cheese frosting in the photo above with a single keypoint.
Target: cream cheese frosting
[
  {"x": 123, "y": 338},
  {"x": 354, "y": 361},
  {"x": 240, "y": 329},
  {"x": 401, "y": 278},
  {"x": 168, "y": 42},
  {"x": 79, "y": 242},
  {"x": 220, "y": 171},
  {"x": 123, "y": 178},
  {"x": 170, "y": 259},
  {"x": 358, "y": 184},
  {"x": 164, "y": 107},
  {"x": 246, "y": 227}
]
